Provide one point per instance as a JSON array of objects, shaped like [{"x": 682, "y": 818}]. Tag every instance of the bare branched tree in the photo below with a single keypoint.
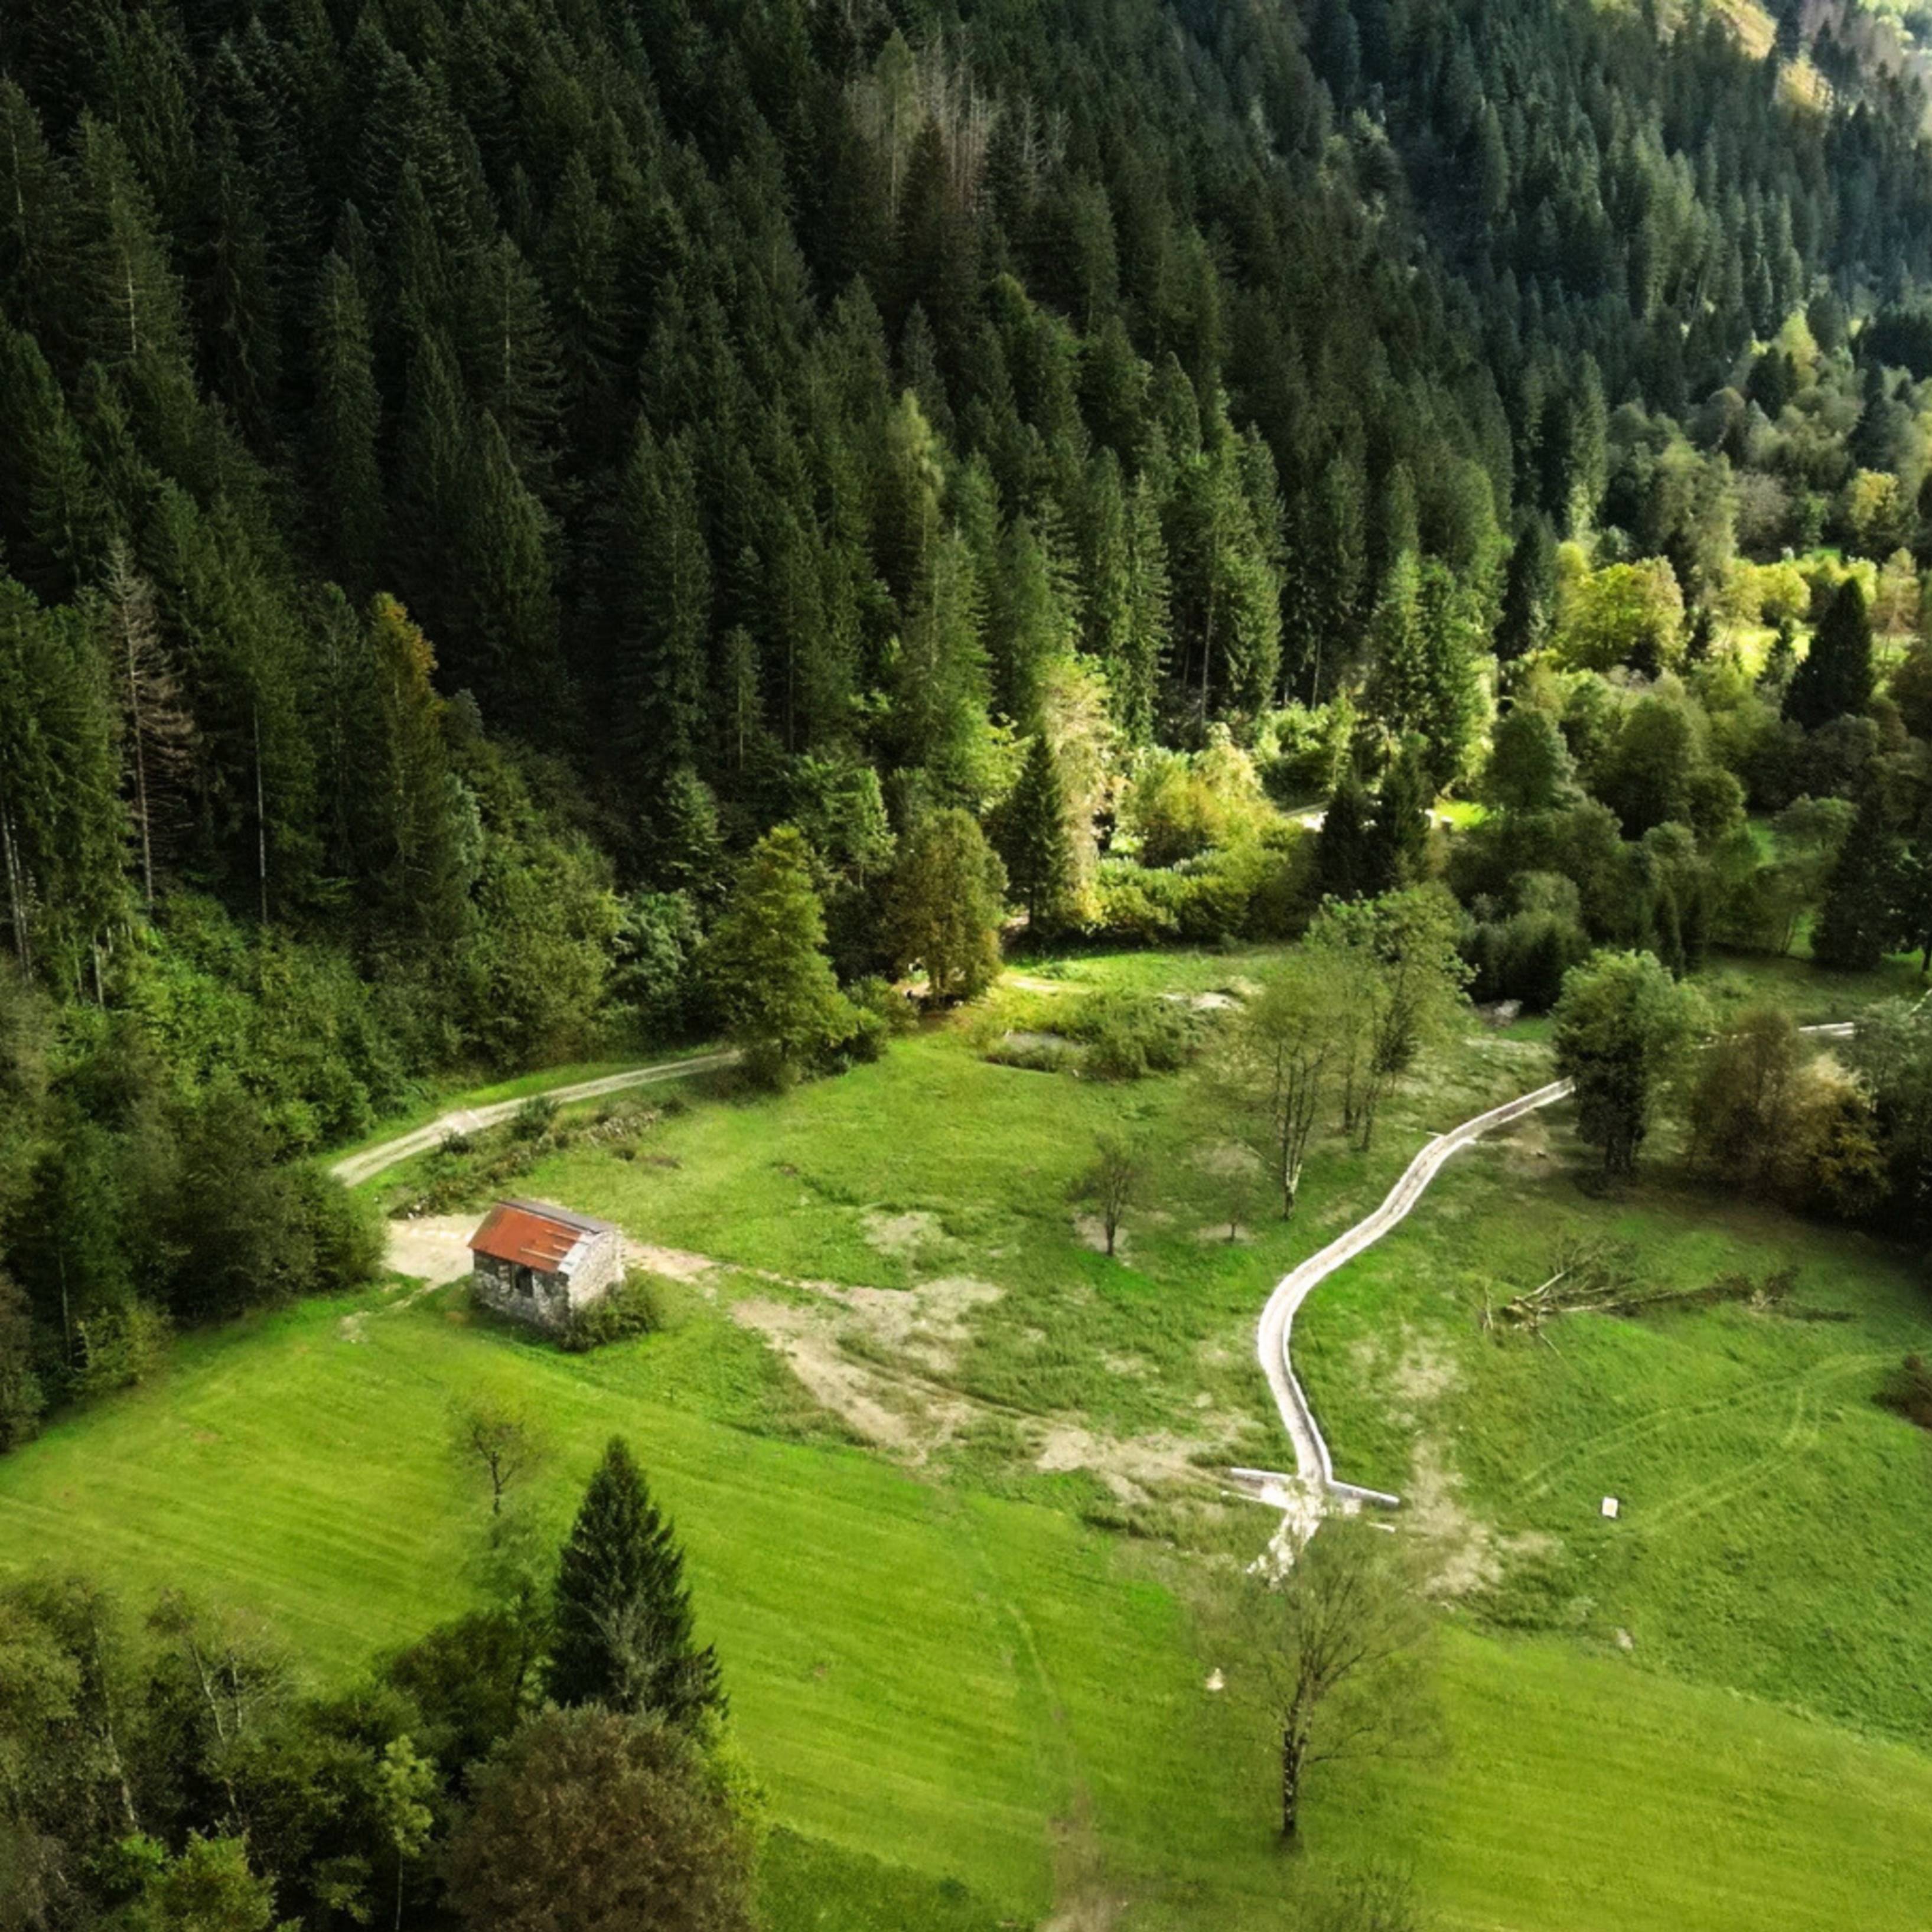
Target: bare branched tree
[
  {"x": 501, "y": 1436},
  {"x": 1113, "y": 1183}
]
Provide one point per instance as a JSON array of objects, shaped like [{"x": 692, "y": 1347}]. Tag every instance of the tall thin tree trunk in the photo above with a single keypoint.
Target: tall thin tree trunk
[
  {"x": 261, "y": 816},
  {"x": 17, "y": 893},
  {"x": 1292, "y": 1749},
  {"x": 140, "y": 772}
]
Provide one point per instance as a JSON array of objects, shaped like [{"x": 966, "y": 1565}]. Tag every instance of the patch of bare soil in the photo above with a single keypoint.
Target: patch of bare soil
[
  {"x": 675, "y": 1264},
  {"x": 903, "y": 1409},
  {"x": 1082, "y": 1900},
  {"x": 900, "y": 1415},
  {"x": 1466, "y": 1554},
  {"x": 900, "y": 1234},
  {"x": 1134, "y": 1466},
  {"x": 434, "y": 1248}
]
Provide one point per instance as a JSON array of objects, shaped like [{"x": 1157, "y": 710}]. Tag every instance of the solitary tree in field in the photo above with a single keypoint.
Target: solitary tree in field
[
  {"x": 1331, "y": 1652},
  {"x": 765, "y": 960},
  {"x": 1113, "y": 1183},
  {"x": 503, "y": 1437},
  {"x": 1279, "y": 1060},
  {"x": 623, "y": 1626},
  {"x": 1621, "y": 1027},
  {"x": 601, "y": 1822}
]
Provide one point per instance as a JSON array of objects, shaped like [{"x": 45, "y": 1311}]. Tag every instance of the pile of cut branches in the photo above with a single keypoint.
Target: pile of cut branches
[{"x": 1596, "y": 1276}]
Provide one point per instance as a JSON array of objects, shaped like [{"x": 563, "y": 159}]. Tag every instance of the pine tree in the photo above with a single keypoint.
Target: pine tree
[
  {"x": 1144, "y": 651},
  {"x": 766, "y": 965},
  {"x": 1344, "y": 862},
  {"x": 1398, "y": 841},
  {"x": 345, "y": 421},
  {"x": 664, "y": 574},
  {"x": 623, "y": 1631},
  {"x": 1836, "y": 676},
  {"x": 157, "y": 733},
  {"x": 127, "y": 294},
  {"x": 414, "y": 804},
  {"x": 1034, "y": 836},
  {"x": 1855, "y": 923}
]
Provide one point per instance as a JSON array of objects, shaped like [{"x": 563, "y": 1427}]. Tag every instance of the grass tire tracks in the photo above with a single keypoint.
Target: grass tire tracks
[
  {"x": 354, "y": 1168},
  {"x": 1314, "y": 1466}
]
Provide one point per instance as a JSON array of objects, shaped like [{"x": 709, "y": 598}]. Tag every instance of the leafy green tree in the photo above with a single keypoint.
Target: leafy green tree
[
  {"x": 604, "y": 1823},
  {"x": 1836, "y": 676},
  {"x": 1619, "y": 1033},
  {"x": 1331, "y": 1651},
  {"x": 765, "y": 962},
  {"x": 208, "y": 1888},
  {"x": 1530, "y": 767},
  {"x": 948, "y": 893},
  {"x": 621, "y": 1629},
  {"x": 405, "y": 1783}
]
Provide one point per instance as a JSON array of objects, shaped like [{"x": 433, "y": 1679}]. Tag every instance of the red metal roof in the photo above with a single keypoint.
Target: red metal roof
[{"x": 532, "y": 1234}]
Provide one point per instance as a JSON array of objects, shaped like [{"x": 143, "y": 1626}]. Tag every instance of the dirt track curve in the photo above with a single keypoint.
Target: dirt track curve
[
  {"x": 1314, "y": 1467},
  {"x": 358, "y": 1167}
]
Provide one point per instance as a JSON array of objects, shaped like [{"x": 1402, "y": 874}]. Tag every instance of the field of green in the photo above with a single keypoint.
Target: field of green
[
  {"x": 1775, "y": 1531},
  {"x": 972, "y": 1702}
]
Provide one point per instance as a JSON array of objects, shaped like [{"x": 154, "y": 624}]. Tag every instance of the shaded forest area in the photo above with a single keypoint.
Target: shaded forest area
[{"x": 475, "y": 468}]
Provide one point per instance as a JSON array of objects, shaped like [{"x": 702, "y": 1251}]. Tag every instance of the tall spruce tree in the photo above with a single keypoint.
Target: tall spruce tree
[
  {"x": 1856, "y": 923},
  {"x": 1836, "y": 676},
  {"x": 1034, "y": 836},
  {"x": 622, "y": 1623}
]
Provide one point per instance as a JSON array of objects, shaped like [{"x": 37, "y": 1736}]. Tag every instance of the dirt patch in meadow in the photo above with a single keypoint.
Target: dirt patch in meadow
[
  {"x": 898, "y": 1408},
  {"x": 676, "y": 1264},
  {"x": 1465, "y": 1553},
  {"x": 899, "y": 1413},
  {"x": 1133, "y": 1466},
  {"x": 433, "y": 1248},
  {"x": 900, "y": 1234}
]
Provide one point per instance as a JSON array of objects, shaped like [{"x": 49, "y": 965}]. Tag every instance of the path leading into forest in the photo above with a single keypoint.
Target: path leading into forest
[
  {"x": 1305, "y": 1494},
  {"x": 358, "y": 1167}
]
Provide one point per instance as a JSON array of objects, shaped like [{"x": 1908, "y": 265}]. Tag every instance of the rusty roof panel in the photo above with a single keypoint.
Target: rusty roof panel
[{"x": 532, "y": 1235}]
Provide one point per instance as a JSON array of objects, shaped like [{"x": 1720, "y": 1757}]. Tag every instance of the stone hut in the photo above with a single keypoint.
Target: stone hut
[{"x": 542, "y": 1264}]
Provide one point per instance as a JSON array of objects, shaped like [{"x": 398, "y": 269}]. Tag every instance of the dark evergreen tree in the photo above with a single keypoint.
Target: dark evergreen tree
[
  {"x": 1836, "y": 676},
  {"x": 621, "y": 1629},
  {"x": 1856, "y": 923},
  {"x": 1034, "y": 840}
]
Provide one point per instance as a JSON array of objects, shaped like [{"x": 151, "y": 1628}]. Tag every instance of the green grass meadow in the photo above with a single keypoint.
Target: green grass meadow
[{"x": 972, "y": 1702}]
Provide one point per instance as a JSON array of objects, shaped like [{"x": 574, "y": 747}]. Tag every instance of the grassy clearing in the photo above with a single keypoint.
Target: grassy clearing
[
  {"x": 970, "y": 1704},
  {"x": 1777, "y": 1529}
]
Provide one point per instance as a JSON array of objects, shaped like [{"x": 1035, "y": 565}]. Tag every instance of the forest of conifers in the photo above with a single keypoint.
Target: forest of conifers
[{"x": 472, "y": 467}]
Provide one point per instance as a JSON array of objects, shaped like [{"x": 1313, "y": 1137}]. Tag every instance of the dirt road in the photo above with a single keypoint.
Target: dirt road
[{"x": 359, "y": 1167}]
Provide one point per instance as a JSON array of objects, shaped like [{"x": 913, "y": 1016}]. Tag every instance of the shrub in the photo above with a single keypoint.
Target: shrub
[
  {"x": 534, "y": 1119},
  {"x": 1129, "y": 1035},
  {"x": 635, "y": 1306}
]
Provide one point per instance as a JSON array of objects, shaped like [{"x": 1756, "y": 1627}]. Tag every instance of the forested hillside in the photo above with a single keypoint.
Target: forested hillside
[{"x": 475, "y": 465}]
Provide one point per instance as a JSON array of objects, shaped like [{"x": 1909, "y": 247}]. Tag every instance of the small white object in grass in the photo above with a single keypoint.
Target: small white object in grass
[
  {"x": 1216, "y": 1681},
  {"x": 1611, "y": 1506}
]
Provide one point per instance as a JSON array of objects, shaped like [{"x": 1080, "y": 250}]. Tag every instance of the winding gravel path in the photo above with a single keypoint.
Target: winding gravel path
[
  {"x": 358, "y": 1167},
  {"x": 1314, "y": 1467}
]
